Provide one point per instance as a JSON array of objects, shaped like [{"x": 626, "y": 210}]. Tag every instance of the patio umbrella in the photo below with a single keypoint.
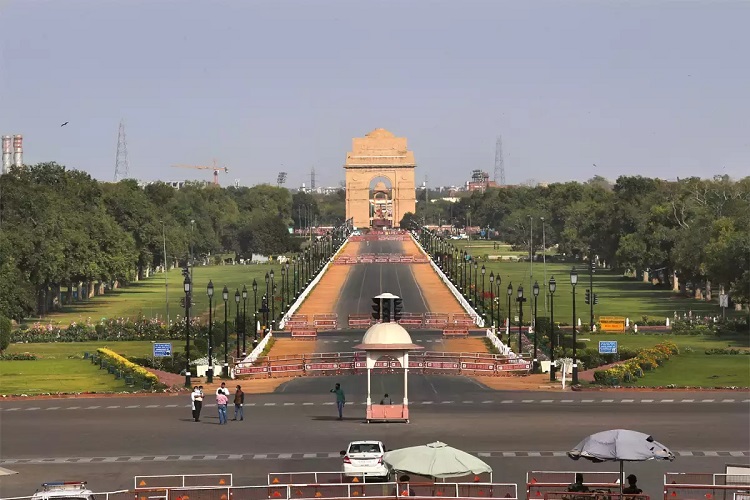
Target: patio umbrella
[
  {"x": 435, "y": 460},
  {"x": 620, "y": 445}
]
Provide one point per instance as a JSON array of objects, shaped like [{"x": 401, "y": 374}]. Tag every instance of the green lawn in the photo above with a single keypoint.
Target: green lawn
[
  {"x": 62, "y": 369},
  {"x": 618, "y": 296},
  {"x": 148, "y": 297}
]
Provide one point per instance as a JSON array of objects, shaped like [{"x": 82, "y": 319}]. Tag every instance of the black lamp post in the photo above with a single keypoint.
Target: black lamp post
[
  {"x": 187, "y": 284},
  {"x": 520, "y": 299},
  {"x": 225, "y": 296},
  {"x": 268, "y": 280},
  {"x": 273, "y": 298},
  {"x": 510, "y": 292},
  {"x": 288, "y": 295},
  {"x": 535, "y": 290},
  {"x": 483, "y": 304},
  {"x": 283, "y": 289},
  {"x": 463, "y": 273},
  {"x": 476, "y": 281},
  {"x": 497, "y": 297},
  {"x": 295, "y": 261},
  {"x": 574, "y": 282},
  {"x": 255, "y": 311},
  {"x": 492, "y": 296},
  {"x": 244, "y": 321},
  {"x": 210, "y": 293},
  {"x": 237, "y": 322},
  {"x": 552, "y": 288}
]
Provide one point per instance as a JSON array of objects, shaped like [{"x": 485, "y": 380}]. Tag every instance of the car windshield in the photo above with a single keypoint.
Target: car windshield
[{"x": 364, "y": 448}]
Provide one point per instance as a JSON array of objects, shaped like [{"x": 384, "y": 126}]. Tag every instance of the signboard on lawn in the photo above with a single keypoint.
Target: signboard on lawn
[
  {"x": 162, "y": 350},
  {"x": 607, "y": 347},
  {"x": 612, "y": 323}
]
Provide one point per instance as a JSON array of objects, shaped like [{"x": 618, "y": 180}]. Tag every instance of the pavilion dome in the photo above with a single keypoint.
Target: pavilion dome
[{"x": 386, "y": 334}]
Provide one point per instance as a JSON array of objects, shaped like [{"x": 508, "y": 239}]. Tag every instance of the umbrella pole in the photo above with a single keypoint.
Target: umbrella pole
[{"x": 621, "y": 479}]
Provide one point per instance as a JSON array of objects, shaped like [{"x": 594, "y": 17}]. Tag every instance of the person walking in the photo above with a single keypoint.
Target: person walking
[
  {"x": 239, "y": 401},
  {"x": 340, "y": 400},
  {"x": 221, "y": 405},
  {"x": 196, "y": 398}
]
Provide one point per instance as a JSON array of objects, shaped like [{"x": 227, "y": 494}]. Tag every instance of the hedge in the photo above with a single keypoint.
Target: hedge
[
  {"x": 127, "y": 366},
  {"x": 646, "y": 360}
]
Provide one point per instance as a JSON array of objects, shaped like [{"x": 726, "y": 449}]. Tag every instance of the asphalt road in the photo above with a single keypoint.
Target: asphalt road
[
  {"x": 147, "y": 435},
  {"x": 365, "y": 281}
]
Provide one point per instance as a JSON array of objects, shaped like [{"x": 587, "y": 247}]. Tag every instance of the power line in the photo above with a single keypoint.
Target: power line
[
  {"x": 121, "y": 162},
  {"x": 499, "y": 164}
]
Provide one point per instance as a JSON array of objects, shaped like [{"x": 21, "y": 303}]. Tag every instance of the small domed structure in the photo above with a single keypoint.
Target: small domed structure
[{"x": 387, "y": 337}]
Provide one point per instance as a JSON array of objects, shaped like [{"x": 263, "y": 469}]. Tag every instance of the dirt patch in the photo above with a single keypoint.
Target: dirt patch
[
  {"x": 323, "y": 298},
  {"x": 469, "y": 344},
  {"x": 534, "y": 382},
  {"x": 285, "y": 347},
  {"x": 438, "y": 297},
  {"x": 408, "y": 247},
  {"x": 351, "y": 249}
]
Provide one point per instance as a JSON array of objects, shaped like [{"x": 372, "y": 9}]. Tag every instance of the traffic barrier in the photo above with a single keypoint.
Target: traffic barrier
[
  {"x": 359, "y": 320},
  {"x": 463, "y": 322},
  {"x": 183, "y": 481},
  {"x": 437, "y": 323},
  {"x": 325, "y": 324},
  {"x": 251, "y": 370},
  {"x": 541, "y": 483},
  {"x": 304, "y": 334},
  {"x": 456, "y": 332},
  {"x": 413, "y": 322}
]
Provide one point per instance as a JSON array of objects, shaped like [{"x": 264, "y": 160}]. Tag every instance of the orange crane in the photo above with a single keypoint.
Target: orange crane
[{"x": 213, "y": 167}]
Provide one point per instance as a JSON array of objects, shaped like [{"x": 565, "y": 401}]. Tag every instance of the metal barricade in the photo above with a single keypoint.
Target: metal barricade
[
  {"x": 539, "y": 483},
  {"x": 183, "y": 480}
]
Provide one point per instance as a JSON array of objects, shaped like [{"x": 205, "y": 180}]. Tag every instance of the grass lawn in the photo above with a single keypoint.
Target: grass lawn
[
  {"x": 148, "y": 297},
  {"x": 61, "y": 369},
  {"x": 618, "y": 296},
  {"x": 695, "y": 369}
]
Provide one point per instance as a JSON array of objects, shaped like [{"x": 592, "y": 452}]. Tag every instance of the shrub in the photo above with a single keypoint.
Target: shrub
[
  {"x": 5, "y": 328},
  {"x": 18, "y": 356},
  {"x": 128, "y": 366}
]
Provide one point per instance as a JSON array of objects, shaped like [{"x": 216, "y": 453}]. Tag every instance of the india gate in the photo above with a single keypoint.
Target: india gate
[{"x": 379, "y": 180}]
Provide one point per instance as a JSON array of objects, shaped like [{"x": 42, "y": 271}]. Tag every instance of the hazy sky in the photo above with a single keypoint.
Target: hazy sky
[{"x": 653, "y": 88}]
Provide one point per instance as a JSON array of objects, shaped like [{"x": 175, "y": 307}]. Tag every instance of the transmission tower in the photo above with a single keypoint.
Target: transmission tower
[
  {"x": 312, "y": 179},
  {"x": 280, "y": 179},
  {"x": 121, "y": 163},
  {"x": 499, "y": 165}
]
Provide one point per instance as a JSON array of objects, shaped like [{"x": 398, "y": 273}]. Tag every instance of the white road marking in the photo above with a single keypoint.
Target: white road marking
[
  {"x": 647, "y": 400},
  {"x": 688, "y": 400},
  {"x": 546, "y": 401},
  {"x": 667, "y": 400}
]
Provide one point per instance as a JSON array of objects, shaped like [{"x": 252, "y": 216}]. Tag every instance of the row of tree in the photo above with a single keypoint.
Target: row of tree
[
  {"x": 60, "y": 228},
  {"x": 690, "y": 231}
]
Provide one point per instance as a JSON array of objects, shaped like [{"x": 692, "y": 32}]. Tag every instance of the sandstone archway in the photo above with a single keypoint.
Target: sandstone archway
[{"x": 379, "y": 154}]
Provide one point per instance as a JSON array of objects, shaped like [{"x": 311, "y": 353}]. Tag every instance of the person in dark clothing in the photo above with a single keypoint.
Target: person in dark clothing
[
  {"x": 340, "y": 400},
  {"x": 386, "y": 400},
  {"x": 632, "y": 488},
  {"x": 239, "y": 402},
  {"x": 578, "y": 486}
]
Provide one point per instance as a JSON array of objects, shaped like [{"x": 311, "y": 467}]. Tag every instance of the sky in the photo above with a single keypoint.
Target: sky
[{"x": 575, "y": 89}]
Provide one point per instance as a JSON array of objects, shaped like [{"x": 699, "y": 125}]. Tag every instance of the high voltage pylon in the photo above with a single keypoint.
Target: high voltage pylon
[
  {"x": 312, "y": 179},
  {"x": 499, "y": 164},
  {"x": 121, "y": 162}
]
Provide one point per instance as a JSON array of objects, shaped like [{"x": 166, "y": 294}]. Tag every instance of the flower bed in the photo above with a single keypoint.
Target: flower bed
[
  {"x": 106, "y": 329},
  {"x": 123, "y": 364},
  {"x": 646, "y": 360},
  {"x": 18, "y": 356}
]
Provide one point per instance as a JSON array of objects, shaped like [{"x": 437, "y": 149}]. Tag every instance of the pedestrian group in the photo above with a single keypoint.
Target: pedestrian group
[{"x": 222, "y": 400}]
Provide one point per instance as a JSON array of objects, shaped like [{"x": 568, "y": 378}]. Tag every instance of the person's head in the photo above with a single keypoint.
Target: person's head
[
  {"x": 404, "y": 478},
  {"x": 223, "y": 384},
  {"x": 386, "y": 395},
  {"x": 200, "y": 387},
  {"x": 238, "y": 388},
  {"x": 579, "y": 477},
  {"x": 338, "y": 386},
  {"x": 632, "y": 479}
]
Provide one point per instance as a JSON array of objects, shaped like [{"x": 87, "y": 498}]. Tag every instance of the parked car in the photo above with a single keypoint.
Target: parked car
[
  {"x": 365, "y": 459},
  {"x": 64, "y": 490}
]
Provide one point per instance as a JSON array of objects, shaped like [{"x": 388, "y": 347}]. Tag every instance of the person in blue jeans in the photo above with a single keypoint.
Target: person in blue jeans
[
  {"x": 221, "y": 404},
  {"x": 340, "y": 400}
]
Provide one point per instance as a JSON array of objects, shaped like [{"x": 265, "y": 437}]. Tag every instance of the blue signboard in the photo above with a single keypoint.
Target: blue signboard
[
  {"x": 162, "y": 350},
  {"x": 607, "y": 347}
]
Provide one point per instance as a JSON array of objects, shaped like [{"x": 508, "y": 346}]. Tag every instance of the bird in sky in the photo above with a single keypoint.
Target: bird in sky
[{"x": 64, "y": 124}]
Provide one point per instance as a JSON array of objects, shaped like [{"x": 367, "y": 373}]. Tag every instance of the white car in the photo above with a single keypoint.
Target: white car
[
  {"x": 365, "y": 459},
  {"x": 64, "y": 490}
]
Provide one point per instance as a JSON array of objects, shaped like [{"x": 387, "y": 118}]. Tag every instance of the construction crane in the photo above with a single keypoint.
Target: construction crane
[{"x": 213, "y": 167}]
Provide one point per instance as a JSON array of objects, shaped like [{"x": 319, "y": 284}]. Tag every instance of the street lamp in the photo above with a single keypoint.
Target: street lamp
[
  {"x": 520, "y": 299},
  {"x": 283, "y": 295},
  {"x": 492, "y": 296},
  {"x": 255, "y": 312},
  {"x": 510, "y": 292},
  {"x": 574, "y": 282},
  {"x": 267, "y": 281},
  {"x": 483, "y": 271},
  {"x": 535, "y": 291},
  {"x": 476, "y": 281},
  {"x": 244, "y": 321},
  {"x": 237, "y": 322},
  {"x": 210, "y": 293},
  {"x": 287, "y": 285},
  {"x": 497, "y": 297},
  {"x": 463, "y": 273},
  {"x": 225, "y": 296},
  {"x": 187, "y": 284},
  {"x": 552, "y": 288},
  {"x": 273, "y": 298}
]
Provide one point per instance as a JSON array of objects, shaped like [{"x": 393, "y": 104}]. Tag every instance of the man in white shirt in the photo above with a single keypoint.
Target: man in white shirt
[
  {"x": 223, "y": 390},
  {"x": 196, "y": 398}
]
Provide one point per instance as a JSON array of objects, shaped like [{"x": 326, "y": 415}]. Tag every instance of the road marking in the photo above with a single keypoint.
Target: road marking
[
  {"x": 688, "y": 400},
  {"x": 608, "y": 400},
  {"x": 308, "y": 404},
  {"x": 289, "y": 404},
  {"x": 489, "y": 401},
  {"x": 136, "y": 406},
  {"x": 587, "y": 401},
  {"x": 269, "y": 404},
  {"x": 527, "y": 401},
  {"x": 627, "y": 401},
  {"x": 153, "y": 406},
  {"x": 115, "y": 406},
  {"x": 446, "y": 402},
  {"x": 667, "y": 400},
  {"x": 172, "y": 406},
  {"x": 647, "y": 400},
  {"x": 546, "y": 401},
  {"x": 92, "y": 407},
  {"x": 727, "y": 400},
  {"x": 35, "y": 408},
  {"x": 427, "y": 402},
  {"x": 53, "y": 408},
  {"x": 73, "y": 407},
  {"x": 506, "y": 401},
  {"x": 566, "y": 401},
  {"x": 707, "y": 400}
]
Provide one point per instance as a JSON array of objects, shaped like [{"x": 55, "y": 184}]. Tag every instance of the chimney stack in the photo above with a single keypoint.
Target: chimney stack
[
  {"x": 18, "y": 150},
  {"x": 7, "y": 153}
]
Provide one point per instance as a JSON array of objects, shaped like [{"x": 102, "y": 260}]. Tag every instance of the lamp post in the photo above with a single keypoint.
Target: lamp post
[
  {"x": 283, "y": 295},
  {"x": 187, "y": 284},
  {"x": 244, "y": 321},
  {"x": 497, "y": 297},
  {"x": 255, "y": 311},
  {"x": 287, "y": 287},
  {"x": 520, "y": 299},
  {"x": 510, "y": 292},
  {"x": 273, "y": 298},
  {"x": 483, "y": 271},
  {"x": 552, "y": 288},
  {"x": 535, "y": 290},
  {"x": 225, "y": 296},
  {"x": 476, "y": 281},
  {"x": 463, "y": 273},
  {"x": 210, "y": 293},
  {"x": 574, "y": 282},
  {"x": 492, "y": 297},
  {"x": 268, "y": 280},
  {"x": 237, "y": 321}
]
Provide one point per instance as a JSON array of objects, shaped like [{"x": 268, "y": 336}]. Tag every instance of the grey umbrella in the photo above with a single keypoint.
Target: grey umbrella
[{"x": 620, "y": 445}]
